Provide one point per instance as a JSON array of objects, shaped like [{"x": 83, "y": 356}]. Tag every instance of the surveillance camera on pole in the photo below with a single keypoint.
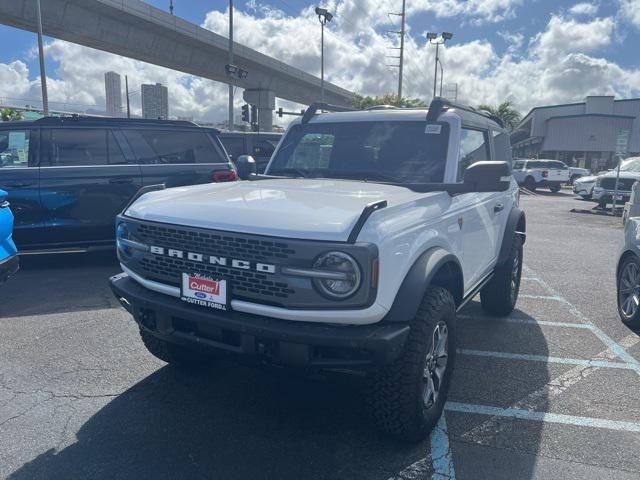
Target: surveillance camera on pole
[
  {"x": 436, "y": 40},
  {"x": 324, "y": 17}
]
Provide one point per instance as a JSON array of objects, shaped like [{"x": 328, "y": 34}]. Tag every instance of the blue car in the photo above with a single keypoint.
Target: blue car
[{"x": 8, "y": 253}]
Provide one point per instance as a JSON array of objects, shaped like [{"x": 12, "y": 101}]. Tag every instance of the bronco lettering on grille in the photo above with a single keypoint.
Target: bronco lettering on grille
[{"x": 222, "y": 261}]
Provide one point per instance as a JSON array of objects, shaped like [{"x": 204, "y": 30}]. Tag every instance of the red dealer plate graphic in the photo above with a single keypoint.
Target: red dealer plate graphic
[{"x": 204, "y": 291}]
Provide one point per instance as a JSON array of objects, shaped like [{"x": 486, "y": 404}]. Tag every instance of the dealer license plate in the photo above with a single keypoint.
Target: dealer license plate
[{"x": 205, "y": 291}]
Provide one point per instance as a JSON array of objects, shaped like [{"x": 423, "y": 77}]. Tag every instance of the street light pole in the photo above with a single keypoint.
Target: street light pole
[
  {"x": 126, "y": 87},
  {"x": 231, "y": 63},
  {"x": 437, "y": 41},
  {"x": 43, "y": 74},
  {"x": 324, "y": 17}
]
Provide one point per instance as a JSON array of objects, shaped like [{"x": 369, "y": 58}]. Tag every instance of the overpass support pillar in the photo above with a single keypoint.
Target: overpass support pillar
[{"x": 265, "y": 100}]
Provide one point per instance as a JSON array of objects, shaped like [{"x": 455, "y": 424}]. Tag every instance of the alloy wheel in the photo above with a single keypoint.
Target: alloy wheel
[
  {"x": 436, "y": 365},
  {"x": 629, "y": 290}
]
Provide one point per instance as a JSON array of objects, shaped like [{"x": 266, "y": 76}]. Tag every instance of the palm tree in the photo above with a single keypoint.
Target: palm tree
[
  {"x": 9, "y": 114},
  {"x": 506, "y": 112}
]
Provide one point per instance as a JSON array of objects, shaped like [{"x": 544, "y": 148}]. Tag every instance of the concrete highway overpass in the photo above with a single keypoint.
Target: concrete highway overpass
[{"x": 134, "y": 29}]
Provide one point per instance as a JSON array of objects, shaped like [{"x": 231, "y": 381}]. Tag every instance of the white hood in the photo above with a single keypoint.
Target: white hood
[{"x": 317, "y": 209}]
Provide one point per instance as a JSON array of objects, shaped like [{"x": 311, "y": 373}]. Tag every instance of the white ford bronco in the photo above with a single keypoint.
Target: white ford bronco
[{"x": 367, "y": 233}]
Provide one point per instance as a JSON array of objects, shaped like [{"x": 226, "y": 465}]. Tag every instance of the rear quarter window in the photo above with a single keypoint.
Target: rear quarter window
[{"x": 175, "y": 147}]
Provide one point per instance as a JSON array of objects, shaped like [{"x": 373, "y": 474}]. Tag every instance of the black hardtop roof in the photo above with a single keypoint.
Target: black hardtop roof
[{"x": 104, "y": 122}]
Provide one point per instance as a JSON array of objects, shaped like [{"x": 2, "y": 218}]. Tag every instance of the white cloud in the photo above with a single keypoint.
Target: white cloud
[
  {"x": 564, "y": 36},
  {"x": 630, "y": 12},
  {"x": 479, "y": 11},
  {"x": 560, "y": 64},
  {"x": 584, "y": 8}
]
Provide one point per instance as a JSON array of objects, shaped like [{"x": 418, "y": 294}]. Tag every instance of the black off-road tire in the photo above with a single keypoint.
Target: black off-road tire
[
  {"x": 499, "y": 296},
  {"x": 394, "y": 393},
  {"x": 555, "y": 187},
  {"x": 530, "y": 184},
  {"x": 175, "y": 355}
]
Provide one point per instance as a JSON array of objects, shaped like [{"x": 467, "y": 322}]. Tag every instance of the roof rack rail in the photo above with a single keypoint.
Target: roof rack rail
[
  {"x": 76, "y": 118},
  {"x": 439, "y": 105},
  {"x": 314, "y": 107}
]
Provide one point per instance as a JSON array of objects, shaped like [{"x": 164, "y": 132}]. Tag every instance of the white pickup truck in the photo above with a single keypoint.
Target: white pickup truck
[
  {"x": 532, "y": 174},
  {"x": 353, "y": 252}
]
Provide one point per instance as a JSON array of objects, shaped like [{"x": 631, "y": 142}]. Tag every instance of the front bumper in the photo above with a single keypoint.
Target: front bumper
[
  {"x": 583, "y": 189},
  {"x": 259, "y": 338},
  {"x": 603, "y": 195},
  {"x": 8, "y": 267}
]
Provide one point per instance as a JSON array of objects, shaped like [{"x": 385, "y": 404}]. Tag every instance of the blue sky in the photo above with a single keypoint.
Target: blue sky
[{"x": 498, "y": 46}]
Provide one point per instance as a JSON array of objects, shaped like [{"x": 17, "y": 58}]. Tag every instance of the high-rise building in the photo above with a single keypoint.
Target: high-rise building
[
  {"x": 155, "y": 101},
  {"x": 113, "y": 89}
]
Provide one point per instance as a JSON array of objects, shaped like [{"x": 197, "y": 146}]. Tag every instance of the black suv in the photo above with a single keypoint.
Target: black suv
[
  {"x": 259, "y": 145},
  {"x": 67, "y": 178}
]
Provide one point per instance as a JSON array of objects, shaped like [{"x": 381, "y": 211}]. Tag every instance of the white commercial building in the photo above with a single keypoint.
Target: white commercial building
[
  {"x": 155, "y": 101},
  {"x": 113, "y": 89}
]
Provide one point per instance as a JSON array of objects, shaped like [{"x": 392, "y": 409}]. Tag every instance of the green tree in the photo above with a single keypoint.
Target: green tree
[
  {"x": 361, "y": 102},
  {"x": 9, "y": 114},
  {"x": 505, "y": 112}
]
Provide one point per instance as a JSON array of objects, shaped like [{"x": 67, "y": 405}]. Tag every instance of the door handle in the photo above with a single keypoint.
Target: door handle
[
  {"x": 121, "y": 180},
  {"x": 498, "y": 207}
]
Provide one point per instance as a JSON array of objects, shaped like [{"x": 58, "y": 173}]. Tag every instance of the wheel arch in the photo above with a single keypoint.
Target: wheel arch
[
  {"x": 436, "y": 266},
  {"x": 516, "y": 225}
]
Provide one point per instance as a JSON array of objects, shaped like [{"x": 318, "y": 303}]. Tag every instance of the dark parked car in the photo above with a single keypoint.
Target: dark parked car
[
  {"x": 257, "y": 144},
  {"x": 67, "y": 178}
]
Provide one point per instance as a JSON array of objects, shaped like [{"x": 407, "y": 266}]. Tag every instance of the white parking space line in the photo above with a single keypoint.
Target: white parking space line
[
  {"x": 542, "y": 297},
  {"x": 543, "y": 417},
  {"x": 547, "y": 359},
  {"x": 550, "y": 323}
]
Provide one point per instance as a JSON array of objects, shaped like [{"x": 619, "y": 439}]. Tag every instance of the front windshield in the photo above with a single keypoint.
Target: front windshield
[
  {"x": 630, "y": 165},
  {"x": 378, "y": 151}
]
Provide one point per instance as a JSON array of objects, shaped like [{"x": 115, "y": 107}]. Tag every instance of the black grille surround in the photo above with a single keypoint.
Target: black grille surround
[
  {"x": 624, "y": 184},
  {"x": 254, "y": 286}
]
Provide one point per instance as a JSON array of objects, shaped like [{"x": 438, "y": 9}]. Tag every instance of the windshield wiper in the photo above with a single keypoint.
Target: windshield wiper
[{"x": 364, "y": 176}]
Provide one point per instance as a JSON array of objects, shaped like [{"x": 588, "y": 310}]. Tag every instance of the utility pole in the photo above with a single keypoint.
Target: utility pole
[
  {"x": 43, "y": 74},
  {"x": 400, "y": 57},
  {"x": 401, "y": 64},
  {"x": 230, "y": 63},
  {"x": 126, "y": 88}
]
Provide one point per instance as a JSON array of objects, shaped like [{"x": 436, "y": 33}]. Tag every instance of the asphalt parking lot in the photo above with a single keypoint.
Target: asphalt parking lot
[{"x": 550, "y": 392}]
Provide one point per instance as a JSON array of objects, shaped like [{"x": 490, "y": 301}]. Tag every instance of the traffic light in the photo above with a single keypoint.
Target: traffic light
[
  {"x": 245, "y": 113},
  {"x": 254, "y": 118}
]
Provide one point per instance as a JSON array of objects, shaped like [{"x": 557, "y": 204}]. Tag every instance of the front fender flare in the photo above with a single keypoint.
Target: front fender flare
[
  {"x": 516, "y": 217},
  {"x": 415, "y": 283}
]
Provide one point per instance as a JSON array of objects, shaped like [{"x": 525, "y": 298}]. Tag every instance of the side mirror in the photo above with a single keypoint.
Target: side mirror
[
  {"x": 488, "y": 176},
  {"x": 246, "y": 166}
]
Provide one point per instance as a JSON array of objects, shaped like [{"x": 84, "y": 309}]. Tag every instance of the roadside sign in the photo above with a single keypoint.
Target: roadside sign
[{"x": 622, "y": 141}]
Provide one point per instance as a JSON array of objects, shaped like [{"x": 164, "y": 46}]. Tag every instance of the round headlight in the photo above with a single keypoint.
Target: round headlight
[{"x": 346, "y": 275}]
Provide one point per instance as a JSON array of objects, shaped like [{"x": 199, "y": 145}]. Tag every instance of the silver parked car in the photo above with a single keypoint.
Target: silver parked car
[{"x": 628, "y": 275}]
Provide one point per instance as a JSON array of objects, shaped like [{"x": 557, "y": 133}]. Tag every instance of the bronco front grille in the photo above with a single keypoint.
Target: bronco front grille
[{"x": 245, "y": 284}]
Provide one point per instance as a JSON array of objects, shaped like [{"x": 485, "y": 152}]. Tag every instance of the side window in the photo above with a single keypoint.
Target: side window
[
  {"x": 518, "y": 165},
  {"x": 14, "y": 148},
  {"x": 140, "y": 147},
  {"x": 313, "y": 151},
  {"x": 502, "y": 146},
  {"x": 181, "y": 146},
  {"x": 263, "y": 148},
  {"x": 71, "y": 147},
  {"x": 473, "y": 148},
  {"x": 234, "y": 146}
]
